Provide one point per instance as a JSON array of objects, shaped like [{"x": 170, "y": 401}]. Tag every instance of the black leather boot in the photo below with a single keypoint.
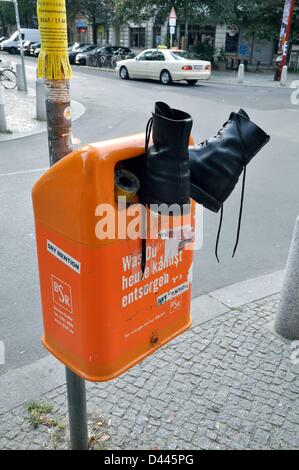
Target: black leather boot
[
  {"x": 166, "y": 173},
  {"x": 217, "y": 163},
  {"x": 166, "y": 176}
]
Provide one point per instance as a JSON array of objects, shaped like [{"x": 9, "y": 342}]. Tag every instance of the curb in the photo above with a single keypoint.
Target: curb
[
  {"x": 78, "y": 110},
  {"x": 30, "y": 382},
  {"x": 275, "y": 85},
  {"x": 94, "y": 70}
]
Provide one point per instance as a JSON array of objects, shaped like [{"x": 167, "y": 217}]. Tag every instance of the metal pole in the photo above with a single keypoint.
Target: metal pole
[
  {"x": 59, "y": 120},
  {"x": 21, "y": 45},
  {"x": 285, "y": 32},
  {"x": 76, "y": 397}
]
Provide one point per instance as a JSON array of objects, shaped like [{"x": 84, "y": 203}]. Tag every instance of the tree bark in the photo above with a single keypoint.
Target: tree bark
[
  {"x": 3, "y": 23},
  {"x": 185, "y": 45},
  {"x": 94, "y": 31},
  {"x": 58, "y": 104}
]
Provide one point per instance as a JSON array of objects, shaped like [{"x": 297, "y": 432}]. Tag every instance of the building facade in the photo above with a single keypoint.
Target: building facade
[{"x": 235, "y": 44}]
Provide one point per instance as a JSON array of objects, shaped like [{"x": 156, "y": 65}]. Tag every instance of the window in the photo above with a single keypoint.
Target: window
[
  {"x": 231, "y": 43},
  {"x": 157, "y": 55},
  {"x": 182, "y": 55},
  {"x": 157, "y": 38},
  {"x": 147, "y": 55},
  {"x": 137, "y": 37}
]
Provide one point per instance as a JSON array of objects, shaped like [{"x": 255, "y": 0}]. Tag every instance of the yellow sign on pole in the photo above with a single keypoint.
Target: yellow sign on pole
[{"x": 53, "y": 60}]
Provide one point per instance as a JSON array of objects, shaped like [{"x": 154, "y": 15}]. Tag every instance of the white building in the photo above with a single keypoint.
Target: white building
[{"x": 235, "y": 44}]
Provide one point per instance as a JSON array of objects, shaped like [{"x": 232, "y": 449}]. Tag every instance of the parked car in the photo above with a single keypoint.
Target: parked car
[
  {"x": 78, "y": 45},
  {"x": 102, "y": 56},
  {"x": 73, "y": 53},
  {"x": 35, "y": 49},
  {"x": 166, "y": 65},
  {"x": 3, "y": 38},
  {"x": 86, "y": 58},
  {"x": 11, "y": 45},
  {"x": 26, "y": 47}
]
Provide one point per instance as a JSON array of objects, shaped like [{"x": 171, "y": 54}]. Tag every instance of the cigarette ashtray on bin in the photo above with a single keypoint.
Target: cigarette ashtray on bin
[{"x": 101, "y": 314}]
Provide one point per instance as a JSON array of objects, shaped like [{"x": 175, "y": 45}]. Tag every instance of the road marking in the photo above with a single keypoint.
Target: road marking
[{"x": 23, "y": 172}]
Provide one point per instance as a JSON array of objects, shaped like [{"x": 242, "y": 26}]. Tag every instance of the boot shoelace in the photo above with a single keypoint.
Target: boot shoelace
[
  {"x": 148, "y": 132},
  {"x": 219, "y": 133},
  {"x": 149, "y": 128},
  {"x": 241, "y": 203}
]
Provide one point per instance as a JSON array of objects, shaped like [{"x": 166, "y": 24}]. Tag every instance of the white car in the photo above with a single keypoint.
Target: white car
[{"x": 166, "y": 65}]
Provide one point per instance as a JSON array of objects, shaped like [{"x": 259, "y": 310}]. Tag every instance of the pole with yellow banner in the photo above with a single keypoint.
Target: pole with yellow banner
[{"x": 55, "y": 69}]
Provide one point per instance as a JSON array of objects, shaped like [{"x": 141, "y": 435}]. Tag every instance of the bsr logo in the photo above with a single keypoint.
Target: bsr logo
[{"x": 62, "y": 294}]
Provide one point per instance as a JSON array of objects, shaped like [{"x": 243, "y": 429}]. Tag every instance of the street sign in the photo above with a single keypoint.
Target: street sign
[
  {"x": 173, "y": 14},
  {"x": 172, "y": 30},
  {"x": 172, "y": 22}
]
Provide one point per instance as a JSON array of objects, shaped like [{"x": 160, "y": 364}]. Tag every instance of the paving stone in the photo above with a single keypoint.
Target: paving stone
[{"x": 227, "y": 384}]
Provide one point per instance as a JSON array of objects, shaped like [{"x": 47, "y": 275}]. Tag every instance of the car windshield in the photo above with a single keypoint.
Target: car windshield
[
  {"x": 183, "y": 55},
  {"x": 86, "y": 48},
  {"x": 14, "y": 37}
]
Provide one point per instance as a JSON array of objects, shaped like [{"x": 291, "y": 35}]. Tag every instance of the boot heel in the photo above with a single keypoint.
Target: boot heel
[{"x": 200, "y": 196}]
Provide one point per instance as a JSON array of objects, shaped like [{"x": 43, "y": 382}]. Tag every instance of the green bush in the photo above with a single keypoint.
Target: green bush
[{"x": 204, "y": 51}]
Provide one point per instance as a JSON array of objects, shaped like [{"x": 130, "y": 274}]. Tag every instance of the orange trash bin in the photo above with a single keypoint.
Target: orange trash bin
[{"x": 101, "y": 315}]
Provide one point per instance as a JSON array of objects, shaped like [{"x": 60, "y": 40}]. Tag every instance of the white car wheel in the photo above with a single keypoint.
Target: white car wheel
[
  {"x": 123, "y": 73},
  {"x": 165, "y": 77}
]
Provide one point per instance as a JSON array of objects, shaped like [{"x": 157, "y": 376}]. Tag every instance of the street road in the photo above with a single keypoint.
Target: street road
[{"x": 116, "y": 108}]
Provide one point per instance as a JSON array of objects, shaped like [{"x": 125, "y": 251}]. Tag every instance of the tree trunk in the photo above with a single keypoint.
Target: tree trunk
[
  {"x": 3, "y": 23},
  {"x": 58, "y": 105},
  {"x": 94, "y": 31},
  {"x": 26, "y": 20},
  {"x": 185, "y": 45}
]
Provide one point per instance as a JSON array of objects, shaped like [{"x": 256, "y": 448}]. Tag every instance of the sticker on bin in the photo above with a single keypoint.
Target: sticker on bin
[
  {"x": 173, "y": 293},
  {"x": 64, "y": 257}
]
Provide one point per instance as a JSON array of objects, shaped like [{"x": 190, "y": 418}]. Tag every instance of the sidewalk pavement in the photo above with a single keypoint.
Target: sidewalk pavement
[
  {"x": 20, "y": 110},
  {"x": 228, "y": 383},
  {"x": 255, "y": 79}
]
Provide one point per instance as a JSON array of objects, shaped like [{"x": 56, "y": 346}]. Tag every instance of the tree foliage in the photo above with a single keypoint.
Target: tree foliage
[{"x": 259, "y": 17}]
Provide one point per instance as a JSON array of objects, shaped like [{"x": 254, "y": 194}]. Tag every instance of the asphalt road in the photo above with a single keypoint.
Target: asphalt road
[{"x": 115, "y": 108}]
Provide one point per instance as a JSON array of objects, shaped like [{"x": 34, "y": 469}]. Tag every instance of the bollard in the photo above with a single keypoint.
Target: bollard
[
  {"x": 20, "y": 78},
  {"x": 41, "y": 112},
  {"x": 3, "y": 122},
  {"x": 241, "y": 73},
  {"x": 287, "y": 319},
  {"x": 284, "y": 75}
]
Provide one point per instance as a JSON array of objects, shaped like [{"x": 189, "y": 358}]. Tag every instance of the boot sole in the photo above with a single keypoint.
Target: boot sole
[{"x": 200, "y": 196}]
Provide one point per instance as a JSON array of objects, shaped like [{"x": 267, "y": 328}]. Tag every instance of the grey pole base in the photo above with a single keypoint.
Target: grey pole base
[
  {"x": 41, "y": 112},
  {"x": 21, "y": 84},
  {"x": 3, "y": 122},
  {"x": 287, "y": 319},
  {"x": 241, "y": 73},
  {"x": 76, "y": 395}
]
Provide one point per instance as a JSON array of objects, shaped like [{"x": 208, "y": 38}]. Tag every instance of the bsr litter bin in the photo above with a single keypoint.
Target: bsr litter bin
[{"x": 101, "y": 315}]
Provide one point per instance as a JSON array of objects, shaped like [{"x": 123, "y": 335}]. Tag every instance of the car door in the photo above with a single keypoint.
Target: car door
[
  {"x": 142, "y": 64},
  {"x": 157, "y": 64}
]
